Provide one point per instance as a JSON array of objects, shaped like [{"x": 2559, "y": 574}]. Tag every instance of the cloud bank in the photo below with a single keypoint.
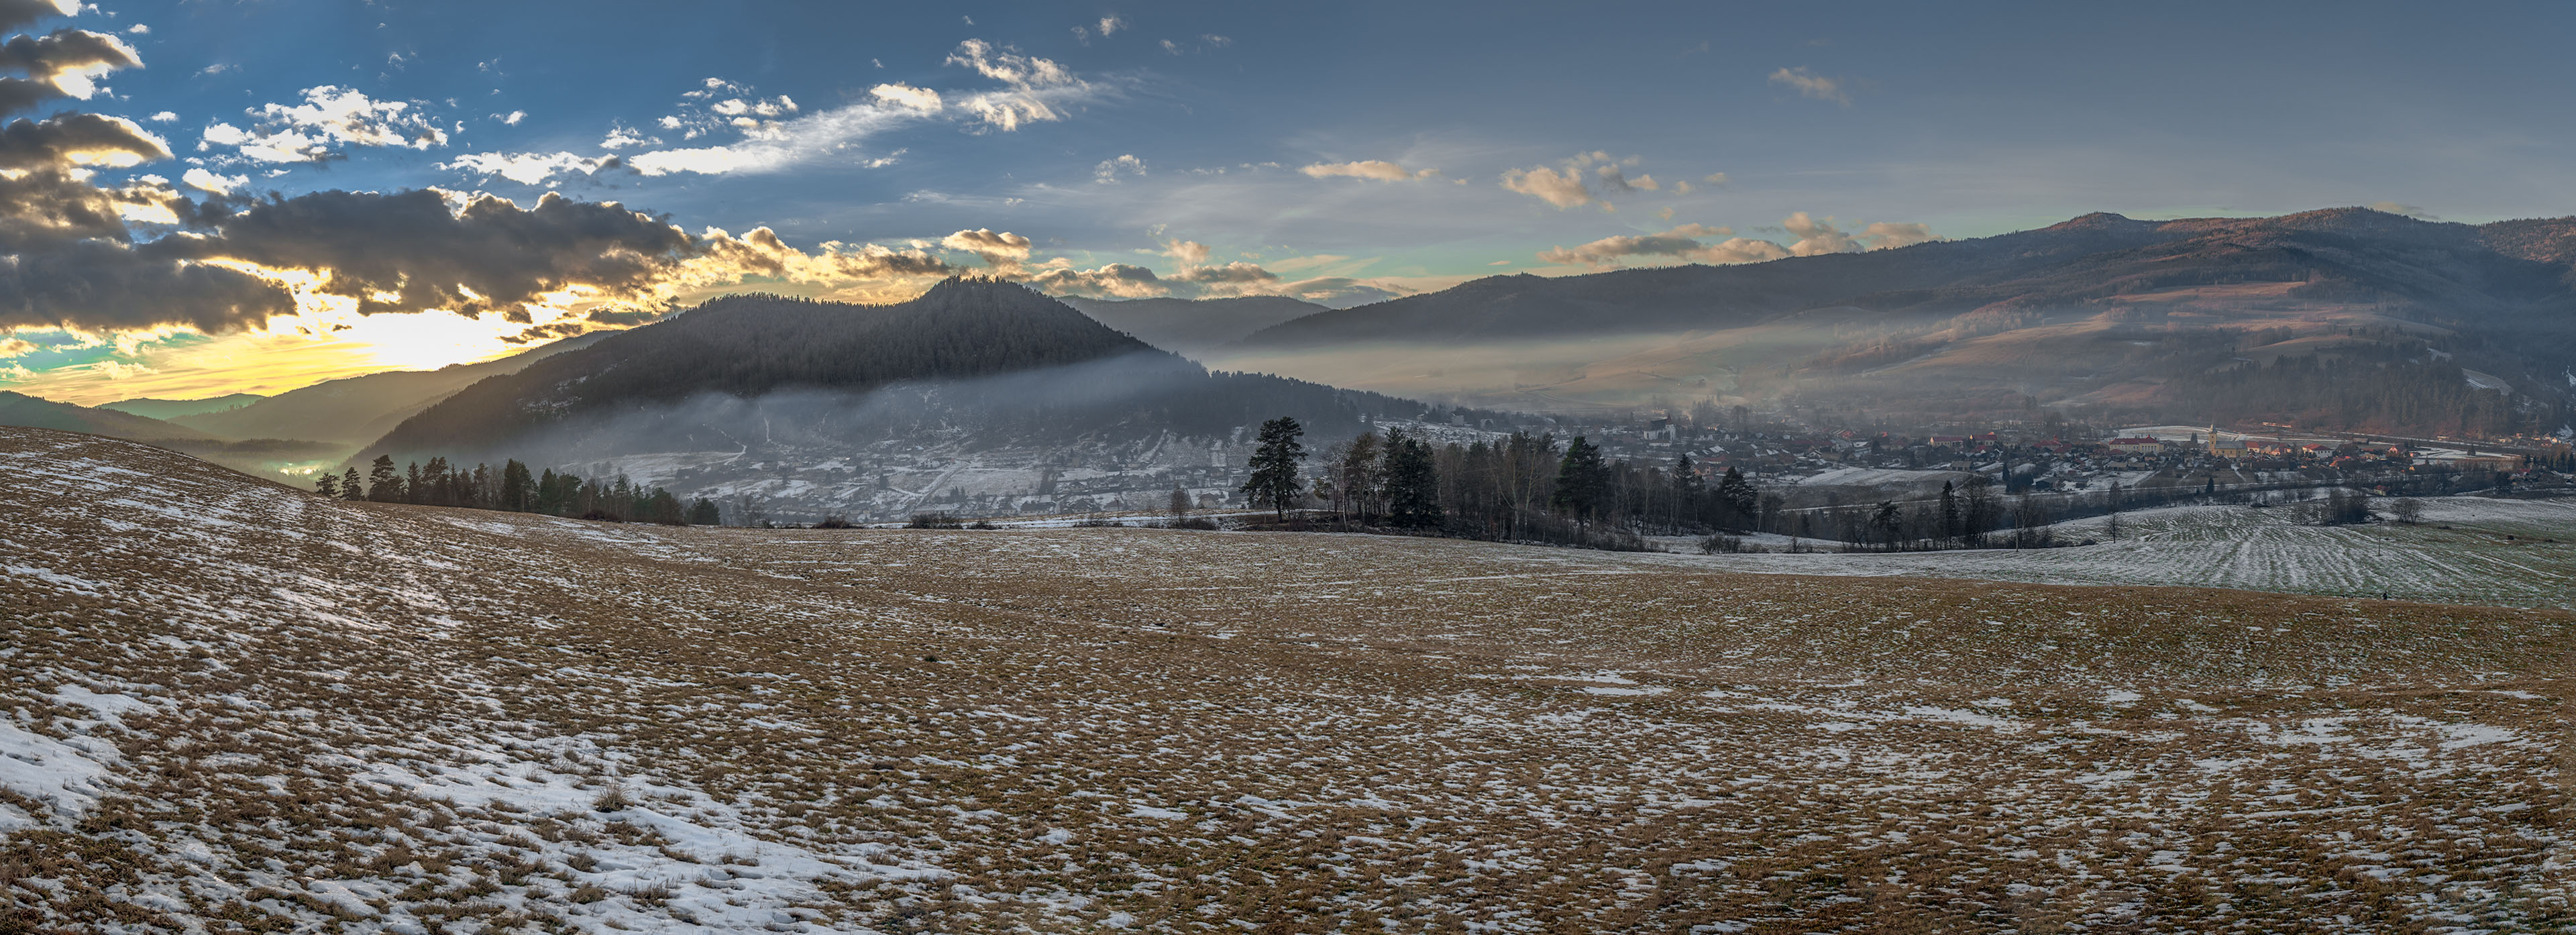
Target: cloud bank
[{"x": 1694, "y": 243}]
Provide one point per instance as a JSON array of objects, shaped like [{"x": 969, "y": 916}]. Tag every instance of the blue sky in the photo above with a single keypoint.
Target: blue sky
[{"x": 1337, "y": 151}]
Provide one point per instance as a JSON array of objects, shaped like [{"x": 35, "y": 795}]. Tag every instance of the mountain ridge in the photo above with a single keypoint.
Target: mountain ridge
[{"x": 973, "y": 354}]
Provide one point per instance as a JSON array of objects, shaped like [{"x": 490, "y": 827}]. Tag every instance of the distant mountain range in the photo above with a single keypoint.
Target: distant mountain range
[
  {"x": 2100, "y": 311},
  {"x": 30, "y": 411},
  {"x": 356, "y": 410},
  {"x": 175, "y": 408},
  {"x": 1194, "y": 326}
]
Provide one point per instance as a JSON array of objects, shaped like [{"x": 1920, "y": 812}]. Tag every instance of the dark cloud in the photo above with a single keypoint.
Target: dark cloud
[
  {"x": 546, "y": 332},
  {"x": 16, "y": 13},
  {"x": 1235, "y": 272},
  {"x": 102, "y": 285},
  {"x": 71, "y": 139},
  {"x": 621, "y": 318},
  {"x": 410, "y": 251},
  {"x": 81, "y": 252},
  {"x": 1118, "y": 280}
]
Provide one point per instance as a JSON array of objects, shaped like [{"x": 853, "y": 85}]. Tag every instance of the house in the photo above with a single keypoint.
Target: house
[{"x": 2139, "y": 445}]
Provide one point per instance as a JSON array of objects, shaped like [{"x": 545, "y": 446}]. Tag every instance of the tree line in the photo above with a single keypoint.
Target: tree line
[
  {"x": 514, "y": 488},
  {"x": 1521, "y": 487}
]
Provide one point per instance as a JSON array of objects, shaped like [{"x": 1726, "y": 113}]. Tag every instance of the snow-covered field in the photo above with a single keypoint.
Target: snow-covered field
[
  {"x": 2467, "y": 550},
  {"x": 234, "y": 706}
]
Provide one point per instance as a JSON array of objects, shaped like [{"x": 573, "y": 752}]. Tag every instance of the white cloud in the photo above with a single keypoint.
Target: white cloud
[
  {"x": 17, "y": 347},
  {"x": 769, "y": 146},
  {"x": 1682, "y": 241},
  {"x": 1562, "y": 189},
  {"x": 1114, "y": 280},
  {"x": 1812, "y": 85},
  {"x": 119, "y": 370},
  {"x": 513, "y": 118},
  {"x": 203, "y": 180},
  {"x": 329, "y": 116},
  {"x": 907, "y": 96},
  {"x": 1375, "y": 169},
  {"x": 1004, "y": 249},
  {"x": 1107, "y": 172},
  {"x": 139, "y": 29},
  {"x": 1564, "y": 185},
  {"x": 529, "y": 168},
  {"x": 1111, "y": 24},
  {"x": 1189, "y": 252},
  {"x": 163, "y": 117},
  {"x": 1037, "y": 88},
  {"x": 622, "y": 136},
  {"x": 1689, "y": 242},
  {"x": 1817, "y": 237},
  {"x": 1820, "y": 237}
]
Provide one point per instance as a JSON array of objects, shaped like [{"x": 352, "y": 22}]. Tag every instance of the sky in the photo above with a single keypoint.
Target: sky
[{"x": 208, "y": 196}]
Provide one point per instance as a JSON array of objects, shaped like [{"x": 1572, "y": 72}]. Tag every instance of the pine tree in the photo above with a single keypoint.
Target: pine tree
[
  {"x": 1688, "y": 490},
  {"x": 327, "y": 485},
  {"x": 383, "y": 484},
  {"x": 350, "y": 487},
  {"x": 1411, "y": 482},
  {"x": 1582, "y": 480},
  {"x": 1274, "y": 482},
  {"x": 518, "y": 492},
  {"x": 703, "y": 512},
  {"x": 1739, "y": 498}
]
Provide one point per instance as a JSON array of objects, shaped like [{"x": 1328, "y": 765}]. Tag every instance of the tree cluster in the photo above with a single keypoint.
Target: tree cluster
[
  {"x": 514, "y": 488},
  {"x": 1520, "y": 487}
]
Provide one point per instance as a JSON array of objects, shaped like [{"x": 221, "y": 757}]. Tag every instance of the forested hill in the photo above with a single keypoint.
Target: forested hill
[
  {"x": 978, "y": 355},
  {"x": 2457, "y": 275}
]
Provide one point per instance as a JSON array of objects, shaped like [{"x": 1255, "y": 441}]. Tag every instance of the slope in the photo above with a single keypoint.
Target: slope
[
  {"x": 23, "y": 410},
  {"x": 251, "y": 708},
  {"x": 175, "y": 408},
  {"x": 1193, "y": 326},
  {"x": 356, "y": 410},
  {"x": 983, "y": 357}
]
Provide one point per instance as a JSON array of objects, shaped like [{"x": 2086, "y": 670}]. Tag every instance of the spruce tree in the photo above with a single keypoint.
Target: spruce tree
[
  {"x": 1275, "y": 482},
  {"x": 1582, "y": 480},
  {"x": 1411, "y": 481},
  {"x": 703, "y": 512},
  {"x": 1739, "y": 498},
  {"x": 383, "y": 484},
  {"x": 327, "y": 485},
  {"x": 350, "y": 487},
  {"x": 518, "y": 493}
]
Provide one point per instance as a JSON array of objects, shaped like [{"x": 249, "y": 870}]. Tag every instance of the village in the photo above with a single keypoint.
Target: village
[{"x": 1806, "y": 463}]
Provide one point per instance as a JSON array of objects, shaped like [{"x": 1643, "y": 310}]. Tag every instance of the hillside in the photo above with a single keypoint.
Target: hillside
[
  {"x": 353, "y": 411},
  {"x": 972, "y": 369},
  {"x": 1193, "y": 326},
  {"x": 2100, "y": 311},
  {"x": 21, "y": 409},
  {"x": 253, "y": 708},
  {"x": 175, "y": 408}
]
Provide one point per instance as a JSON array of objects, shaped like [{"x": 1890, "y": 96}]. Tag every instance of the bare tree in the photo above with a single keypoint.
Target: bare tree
[{"x": 2407, "y": 510}]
